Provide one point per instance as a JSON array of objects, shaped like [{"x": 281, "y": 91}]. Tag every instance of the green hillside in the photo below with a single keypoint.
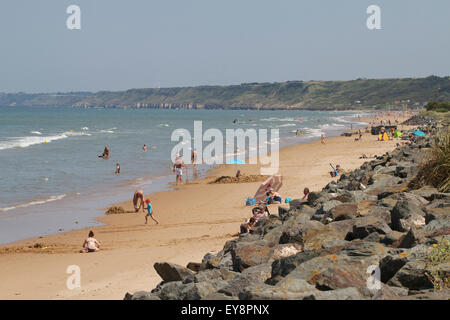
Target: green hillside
[{"x": 360, "y": 93}]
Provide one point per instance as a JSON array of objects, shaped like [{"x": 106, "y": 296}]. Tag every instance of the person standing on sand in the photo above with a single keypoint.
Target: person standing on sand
[
  {"x": 178, "y": 169},
  {"x": 322, "y": 139},
  {"x": 117, "y": 168},
  {"x": 149, "y": 211},
  {"x": 138, "y": 195},
  {"x": 90, "y": 244},
  {"x": 194, "y": 162}
]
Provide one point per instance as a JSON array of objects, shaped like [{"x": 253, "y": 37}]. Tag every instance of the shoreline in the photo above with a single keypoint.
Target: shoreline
[
  {"x": 201, "y": 220},
  {"x": 94, "y": 212}
]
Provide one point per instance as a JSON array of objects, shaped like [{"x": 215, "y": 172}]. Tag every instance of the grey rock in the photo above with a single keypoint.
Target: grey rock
[
  {"x": 405, "y": 215},
  {"x": 141, "y": 295},
  {"x": 172, "y": 272}
]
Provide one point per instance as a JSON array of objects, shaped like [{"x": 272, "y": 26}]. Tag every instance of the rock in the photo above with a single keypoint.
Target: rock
[
  {"x": 373, "y": 237},
  {"x": 201, "y": 290},
  {"x": 335, "y": 243},
  {"x": 141, "y": 295},
  {"x": 411, "y": 239},
  {"x": 172, "y": 290},
  {"x": 412, "y": 276},
  {"x": 389, "y": 265},
  {"x": 380, "y": 213},
  {"x": 249, "y": 256},
  {"x": 249, "y": 277},
  {"x": 339, "y": 294},
  {"x": 221, "y": 260},
  {"x": 194, "y": 266},
  {"x": 172, "y": 272},
  {"x": 406, "y": 214},
  {"x": 367, "y": 225},
  {"x": 210, "y": 274},
  {"x": 328, "y": 205},
  {"x": 389, "y": 293},
  {"x": 440, "y": 213},
  {"x": 426, "y": 192},
  {"x": 294, "y": 285},
  {"x": 339, "y": 277},
  {"x": 271, "y": 293},
  {"x": 283, "y": 267},
  {"x": 343, "y": 212},
  {"x": 312, "y": 198},
  {"x": 391, "y": 237},
  {"x": 219, "y": 296},
  {"x": 283, "y": 251},
  {"x": 431, "y": 295},
  {"x": 364, "y": 208}
]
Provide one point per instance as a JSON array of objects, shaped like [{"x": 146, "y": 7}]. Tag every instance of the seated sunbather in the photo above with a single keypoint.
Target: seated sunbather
[{"x": 248, "y": 226}]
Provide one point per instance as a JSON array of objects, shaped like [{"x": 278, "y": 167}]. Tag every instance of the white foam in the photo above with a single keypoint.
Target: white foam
[
  {"x": 36, "y": 132},
  {"x": 24, "y": 142},
  {"x": 34, "y": 202},
  {"x": 287, "y": 125}
]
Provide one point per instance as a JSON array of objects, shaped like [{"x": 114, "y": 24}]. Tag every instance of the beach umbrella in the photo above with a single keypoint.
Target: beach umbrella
[
  {"x": 419, "y": 133},
  {"x": 235, "y": 161},
  {"x": 274, "y": 182}
]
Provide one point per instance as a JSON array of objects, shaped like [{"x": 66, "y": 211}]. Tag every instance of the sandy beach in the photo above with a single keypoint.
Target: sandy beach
[{"x": 194, "y": 218}]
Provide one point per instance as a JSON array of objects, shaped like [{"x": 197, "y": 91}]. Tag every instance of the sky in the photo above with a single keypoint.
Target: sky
[{"x": 172, "y": 43}]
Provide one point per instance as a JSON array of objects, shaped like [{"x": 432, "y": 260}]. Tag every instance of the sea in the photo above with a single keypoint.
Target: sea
[{"x": 52, "y": 180}]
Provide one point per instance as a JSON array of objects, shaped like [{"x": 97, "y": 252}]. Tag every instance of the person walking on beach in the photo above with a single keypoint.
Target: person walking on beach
[
  {"x": 138, "y": 195},
  {"x": 149, "y": 211},
  {"x": 117, "y": 168},
  {"x": 194, "y": 162},
  {"x": 178, "y": 169},
  {"x": 90, "y": 244},
  {"x": 322, "y": 139}
]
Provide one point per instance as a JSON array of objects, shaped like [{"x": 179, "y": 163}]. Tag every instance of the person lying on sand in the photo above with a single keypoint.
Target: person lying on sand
[
  {"x": 90, "y": 244},
  {"x": 149, "y": 211},
  {"x": 138, "y": 195}
]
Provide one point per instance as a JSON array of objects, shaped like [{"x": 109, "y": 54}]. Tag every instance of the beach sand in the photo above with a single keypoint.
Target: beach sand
[{"x": 195, "y": 218}]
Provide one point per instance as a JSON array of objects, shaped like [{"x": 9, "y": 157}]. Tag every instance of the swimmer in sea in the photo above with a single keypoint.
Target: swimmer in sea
[
  {"x": 105, "y": 154},
  {"x": 144, "y": 148},
  {"x": 138, "y": 195}
]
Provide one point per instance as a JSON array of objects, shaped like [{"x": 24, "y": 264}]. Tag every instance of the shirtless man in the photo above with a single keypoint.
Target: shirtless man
[
  {"x": 178, "y": 169},
  {"x": 138, "y": 195}
]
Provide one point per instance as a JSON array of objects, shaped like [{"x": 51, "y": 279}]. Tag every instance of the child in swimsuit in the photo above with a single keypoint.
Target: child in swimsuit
[{"x": 149, "y": 211}]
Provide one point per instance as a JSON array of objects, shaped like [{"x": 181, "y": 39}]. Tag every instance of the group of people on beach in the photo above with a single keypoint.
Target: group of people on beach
[{"x": 262, "y": 210}]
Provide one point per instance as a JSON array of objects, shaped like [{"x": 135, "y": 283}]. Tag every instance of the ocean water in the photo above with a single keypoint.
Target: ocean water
[{"x": 51, "y": 179}]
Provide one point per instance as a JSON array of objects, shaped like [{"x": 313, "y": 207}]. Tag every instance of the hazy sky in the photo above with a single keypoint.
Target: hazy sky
[{"x": 149, "y": 43}]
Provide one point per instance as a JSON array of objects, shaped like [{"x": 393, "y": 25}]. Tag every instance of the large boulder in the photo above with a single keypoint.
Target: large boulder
[
  {"x": 407, "y": 214},
  {"x": 365, "y": 226},
  {"x": 173, "y": 272}
]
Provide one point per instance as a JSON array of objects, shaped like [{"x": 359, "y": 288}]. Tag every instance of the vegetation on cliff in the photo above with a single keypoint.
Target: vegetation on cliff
[{"x": 355, "y": 94}]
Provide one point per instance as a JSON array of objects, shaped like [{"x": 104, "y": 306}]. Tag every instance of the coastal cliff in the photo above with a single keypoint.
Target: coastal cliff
[{"x": 294, "y": 95}]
